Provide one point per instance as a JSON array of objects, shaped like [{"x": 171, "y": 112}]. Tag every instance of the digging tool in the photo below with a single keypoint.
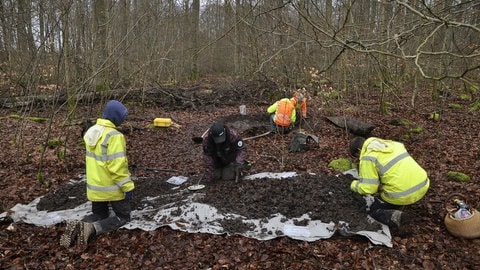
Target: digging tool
[
  {"x": 159, "y": 169},
  {"x": 197, "y": 186},
  {"x": 134, "y": 167},
  {"x": 308, "y": 124},
  {"x": 258, "y": 136},
  {"x": 200, "y": 139},
  {"x": 237, "y": 174}
]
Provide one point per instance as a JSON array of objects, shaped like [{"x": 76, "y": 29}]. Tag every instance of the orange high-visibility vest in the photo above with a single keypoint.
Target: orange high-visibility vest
[{"x": 284, "y": 112}]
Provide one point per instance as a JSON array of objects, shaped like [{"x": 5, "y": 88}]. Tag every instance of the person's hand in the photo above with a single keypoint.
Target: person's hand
[
  {"x": 238, "y": 171},
  {"x": 129, "y": 195}
]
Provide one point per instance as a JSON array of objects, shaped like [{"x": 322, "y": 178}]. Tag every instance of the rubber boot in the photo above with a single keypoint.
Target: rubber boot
[
  {"x": 389, "y": 217},
  {"x": 86, "y": 232},
  {"x": 70, "y": 234}
]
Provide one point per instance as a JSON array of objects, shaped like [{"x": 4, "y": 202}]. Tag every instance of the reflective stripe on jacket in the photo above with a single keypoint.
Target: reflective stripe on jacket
[
  {"x": 387, "y": 164},
  {"x": 106, "y": 163},
  {"x": 285, "y": 113}
]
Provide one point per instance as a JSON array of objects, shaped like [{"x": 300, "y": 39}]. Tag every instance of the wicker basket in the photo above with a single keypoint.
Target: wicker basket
[{"x": 468, "y": 227}]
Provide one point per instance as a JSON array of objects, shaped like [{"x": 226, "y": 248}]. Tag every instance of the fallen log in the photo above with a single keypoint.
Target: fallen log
[{"x": 353, "y": 126}]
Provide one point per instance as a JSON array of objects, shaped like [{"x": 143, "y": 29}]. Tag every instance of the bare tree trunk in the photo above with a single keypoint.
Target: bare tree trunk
[
  {"x": 41, "y": 25},
  {"x": 51, "y": 25},
  {"x": 195, "y": 27},
  {"x": 7, "y": 32},
  {"x": 100, "y": 45},
  {"x": 237, "y": 37},
  {"x": 66, "y": 57},
  {"x": 25, "y": 32},
  {"x": 328, "y": 12},
  {"x": 125, "y": 39}
]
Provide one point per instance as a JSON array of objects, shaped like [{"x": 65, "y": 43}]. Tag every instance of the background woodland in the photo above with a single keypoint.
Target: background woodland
[
  {"x": 409, "y": 67},
  {"x": 83, "y": 46},
  {"x": 57, "y": 54}
]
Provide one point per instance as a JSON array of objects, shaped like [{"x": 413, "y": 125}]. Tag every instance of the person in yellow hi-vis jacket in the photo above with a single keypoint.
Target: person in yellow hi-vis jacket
[
  {"x": 108, "y": 178},
  {"x": 385, "y": 167}
]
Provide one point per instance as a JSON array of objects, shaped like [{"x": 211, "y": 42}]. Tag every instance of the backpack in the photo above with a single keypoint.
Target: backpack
[{"x": 300, "y": 142}]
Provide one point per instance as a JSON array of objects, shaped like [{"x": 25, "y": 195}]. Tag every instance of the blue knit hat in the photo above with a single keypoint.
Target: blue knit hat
[{"x": 115, "y": 111}]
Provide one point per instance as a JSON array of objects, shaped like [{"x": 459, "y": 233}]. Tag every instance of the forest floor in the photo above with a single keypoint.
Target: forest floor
[{"x": 156, "y": 154}]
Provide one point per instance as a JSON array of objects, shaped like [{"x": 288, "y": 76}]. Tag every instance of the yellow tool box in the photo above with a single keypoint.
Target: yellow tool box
[{"x": 162, "y": 122}]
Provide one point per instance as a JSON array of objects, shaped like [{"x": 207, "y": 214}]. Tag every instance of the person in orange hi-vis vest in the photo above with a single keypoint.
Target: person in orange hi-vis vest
[{"x": 286, "y": 112}]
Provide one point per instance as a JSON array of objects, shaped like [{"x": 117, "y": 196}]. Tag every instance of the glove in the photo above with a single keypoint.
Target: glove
[
  {"x": 238, "y": 168},
  {"x": 129, "y": 195},
  {"x": 238, "y": 171}
]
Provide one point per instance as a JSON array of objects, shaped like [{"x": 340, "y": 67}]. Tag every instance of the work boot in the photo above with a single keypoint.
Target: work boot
[
  {"x": 70, "y": 234},
  {"x": 400, "y": 221},
  {"x": 398, "y": 218},
  {"x": 86, "y": 232}
]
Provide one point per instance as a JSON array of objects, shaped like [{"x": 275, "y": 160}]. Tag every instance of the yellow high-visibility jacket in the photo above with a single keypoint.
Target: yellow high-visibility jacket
[
  {"x": 285, "y": 113},
  {"x": 387, "y": 164},
  {"x": 108, "y": 177}
]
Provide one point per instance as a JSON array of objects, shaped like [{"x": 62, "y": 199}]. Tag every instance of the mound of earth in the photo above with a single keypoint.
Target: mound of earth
[{"x": 325, "y": 198}]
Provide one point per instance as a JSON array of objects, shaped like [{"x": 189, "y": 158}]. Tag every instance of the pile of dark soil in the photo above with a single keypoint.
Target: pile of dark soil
[{"x": 325, "y": 198}]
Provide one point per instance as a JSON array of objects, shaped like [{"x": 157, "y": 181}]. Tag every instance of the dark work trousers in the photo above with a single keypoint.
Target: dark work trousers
[
  {"x": 106, "y": 222},
  {"x": 225, "y": 173},
  {"x": 279, "y": 129},
  {"x": 382, "y": 211}
]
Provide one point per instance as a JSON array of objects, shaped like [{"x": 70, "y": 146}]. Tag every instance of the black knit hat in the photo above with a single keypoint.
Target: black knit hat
[{"x": 356, "y": 146}]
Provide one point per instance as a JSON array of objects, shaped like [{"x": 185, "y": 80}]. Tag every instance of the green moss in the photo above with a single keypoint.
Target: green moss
[
  {"x": 61, "y": 154},
  {"x": 454, "y": 106},
  {"x": 102, "y": 87},
  {"x": 40, "y": 177},
  {"x": 416, "y": 130},
  {"x": 465, "y": 97},
  {"x": 458, "y": 176},
  {"x": 341, "y": 164},
  {"x": 405, "y": 122},
  {"x": 434, "y": 116},
  {"x": 473, "y": 89},
  {"x": 334, "y": 94},
  {"x": 475, "y": 106},
  {"x": 38, "y": 119},
  {"x": 35, "y": 119},
  {"x": 324, "y": 81},
  {"x": 349, "y": 109},
  {"x": 53, "y": 143}
]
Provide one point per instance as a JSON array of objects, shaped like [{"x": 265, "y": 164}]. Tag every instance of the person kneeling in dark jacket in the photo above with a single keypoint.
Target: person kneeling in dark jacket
[{"x": 224, "y": 153}]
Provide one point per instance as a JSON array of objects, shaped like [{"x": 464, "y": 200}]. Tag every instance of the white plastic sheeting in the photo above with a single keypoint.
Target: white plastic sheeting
[{"x": 193, "y": 217}]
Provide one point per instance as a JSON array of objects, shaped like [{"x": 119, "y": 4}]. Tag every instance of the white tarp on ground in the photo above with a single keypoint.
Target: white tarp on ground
[{"x": 194, "y": 217}]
